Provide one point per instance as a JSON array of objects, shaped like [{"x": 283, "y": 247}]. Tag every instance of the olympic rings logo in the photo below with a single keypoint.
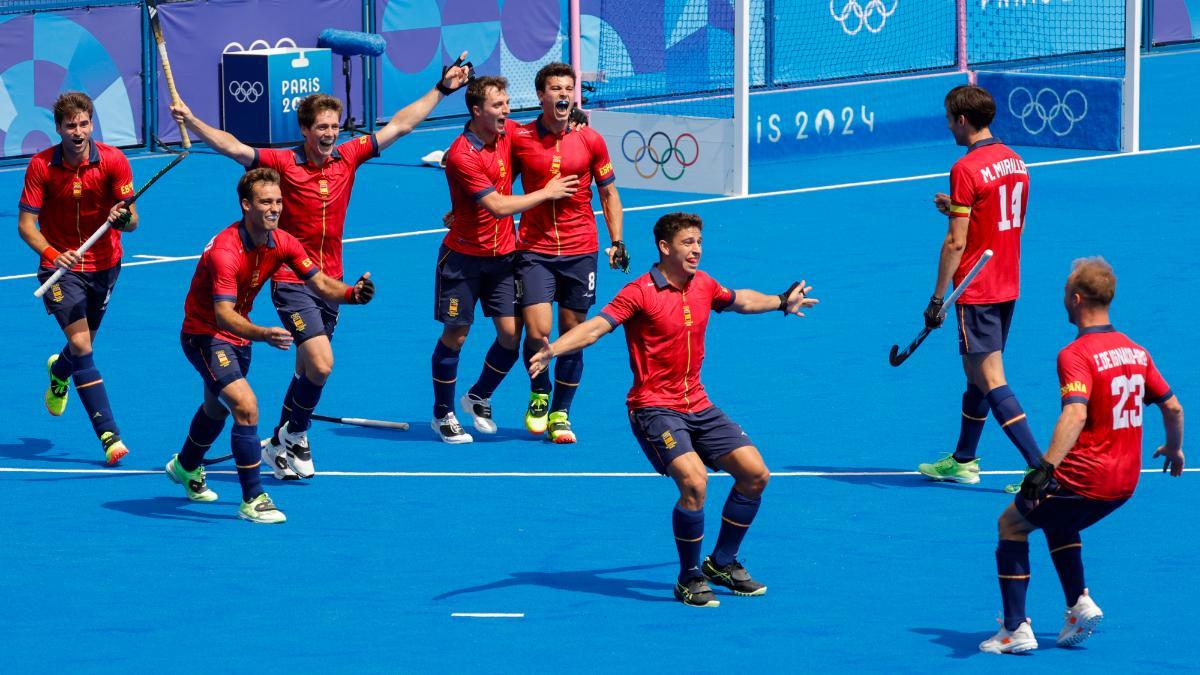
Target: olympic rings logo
[
  {"x": 259, "y": 44},
  {"x": 1047, "y": 109},
  {"x": 245, "y": 92},
  {"x": 853, "y": 10},
  {"x": 660, "y": 153}
]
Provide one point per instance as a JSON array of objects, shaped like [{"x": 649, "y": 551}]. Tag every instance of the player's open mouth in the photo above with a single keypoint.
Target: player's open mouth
[{"x": 271, "y": 217}]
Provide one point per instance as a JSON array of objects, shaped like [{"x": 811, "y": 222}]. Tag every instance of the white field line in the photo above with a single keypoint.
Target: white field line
[
  {"x": 488, "y": 615},
  {"x": 518, "y": 474}
]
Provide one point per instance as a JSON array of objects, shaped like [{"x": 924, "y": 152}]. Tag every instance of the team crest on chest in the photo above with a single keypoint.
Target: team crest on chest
[
  {"x": 503, "y": 169},
  {"x": 77, "y": 188},
  {"x": 555, "y": 164},
  {"x": 687, "y": 315},
  {"x": 254, "y": 278},
  {"x": 323, "y": 187}
]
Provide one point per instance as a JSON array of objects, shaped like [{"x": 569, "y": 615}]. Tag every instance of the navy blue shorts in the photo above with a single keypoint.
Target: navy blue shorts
[
  {"x": 983, "y": 329},
  {"x": 304, "y": 313},
  {"x": 569, "y": 280},
  {"x": 217, "y": 361},
  {"x": 79, "y": 295},
  {"x": 665, "y": 434},
  {"x": 462, "y": 280},
  {"x": 1065, "y": 511}
]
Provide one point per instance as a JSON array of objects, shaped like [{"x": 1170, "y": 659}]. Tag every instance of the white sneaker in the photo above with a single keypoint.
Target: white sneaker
[
  {"x": 299, "y": 455},
  {"x": 1081, "y": 620},
  {"x": 1016, "y": 641},
  {"x": 450, "y": 430},
  {"x": 274, "y": 455},
  {"x": 480, "y": 410}
]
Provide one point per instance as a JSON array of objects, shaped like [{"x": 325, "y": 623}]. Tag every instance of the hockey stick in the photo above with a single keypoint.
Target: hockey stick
[
  {"x": 100, "y": 231},
  {"x": 896, "y": 357},
  {"x": 152, "y": 8},
  {"x": 354, "y": 421}
]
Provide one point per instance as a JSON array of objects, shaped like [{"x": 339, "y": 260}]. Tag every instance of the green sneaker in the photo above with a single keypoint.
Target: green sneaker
[
  {"x": 261, "y": 510},
  {"x": 194, "y": 485},
  {"x": 1014, "y": 488},
  {"x": 559, "y": 429},
  {"x": 57, "y": 392},
  {"x": 535, "y": 415},
  {"x": 114, "y": 447},
  {"x": 948, "y": 468}
]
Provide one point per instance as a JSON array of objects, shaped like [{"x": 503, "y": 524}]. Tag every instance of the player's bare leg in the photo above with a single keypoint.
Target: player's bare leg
[
  {"x": 256, "y": 505},
  {"x": 1012, "y": 566},
  {"x": 538, "y": 320},
  {"x": 504, "y": 352},
  {"x": 687, "y": 522},
  {"x": 445, "y": 377},
  {"x": 750, "y": 476},
  {"x": 76, "y": 362}
]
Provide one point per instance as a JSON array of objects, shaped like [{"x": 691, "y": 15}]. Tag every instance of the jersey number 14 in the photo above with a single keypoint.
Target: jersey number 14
[{"x": 1013, "y": 222}]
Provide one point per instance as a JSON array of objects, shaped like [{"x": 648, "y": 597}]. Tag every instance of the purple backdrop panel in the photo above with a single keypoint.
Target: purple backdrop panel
[
  {"x": 45, "y": 54},
  {"x": 197, "y": 33},
  {"x": 1176, "y": 20}
]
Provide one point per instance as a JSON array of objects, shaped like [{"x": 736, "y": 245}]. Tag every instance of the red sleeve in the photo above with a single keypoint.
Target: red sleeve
[
  {"x": 602, "y": 168},
  {"x": 1074, "y": 376},
  {"x": 35, "y": 180},
  {"x": 120, "y": 176},
  {"x": 358, "y": 150},
  {"x": 272, "y": 158},
  {"x": 1157, "y": 389},
  {"x": 466, "y": 169},
  {"x": 962, "y": 191},
  {"x": 722, "y": 297},
  {"x": 292, "y": 252},
  {"x": 223, "y": 265},
  {"x": 626, "y": 305}
]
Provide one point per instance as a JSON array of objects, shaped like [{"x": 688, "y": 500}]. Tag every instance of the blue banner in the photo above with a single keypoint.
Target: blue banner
[{"x": 1056, "y": 111}]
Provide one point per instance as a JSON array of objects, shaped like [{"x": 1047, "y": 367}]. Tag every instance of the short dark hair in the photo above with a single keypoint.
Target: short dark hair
[
  {"x": 315, "y": 104},
  {"x": 1094, "y": 280},
  {"x": 668, "y": 225},
  {"x": 253, "y": 177},
  {"x": 552, "y": 70},
  {"x": 72, "y": 103},
  {"x": 972, "y": 102},
  {"x": 477, "y": 90}
]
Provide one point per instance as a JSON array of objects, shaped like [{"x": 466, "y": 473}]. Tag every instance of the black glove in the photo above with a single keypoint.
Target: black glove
[
  {"x": 783, "y": 297},
  {"x": 1036, "y": 482},
  {"x": 933, "y": 313},
  {"x": 364, "y": 293},
  {"x": 122, "y": 221},
  {"x": 441, "y": 86},
  {"x": 620, "y": 257},
  {"x": 578, "y": 117}
]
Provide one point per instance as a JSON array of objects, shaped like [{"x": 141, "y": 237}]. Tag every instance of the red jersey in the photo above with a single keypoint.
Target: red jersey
[
  {"x": 233, "y": 269},
  {"x": 474, "y": 170},
  {"x": 664, "y": 329},
  {"x": 72, "y": 202},
  {"x": 990, "y": 187},
  {"x": 315, "y": 199},
  {"x": 1114, "y": 377},
  {"x": 564, "y": 226}
]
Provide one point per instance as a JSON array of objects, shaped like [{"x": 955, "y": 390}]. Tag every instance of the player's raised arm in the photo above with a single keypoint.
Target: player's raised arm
[
  {"x": 228, "y": 319},
  {"x": 507, "y": 205},
  {"x": 792, "y": 301},
  {"x": 580, "y": 337},
  {"x": 407, "y": 118},
  {"x": 334, "y": 291},
  {"x": 222, "y": 141},
  {"x": 1172, "y": 450}
]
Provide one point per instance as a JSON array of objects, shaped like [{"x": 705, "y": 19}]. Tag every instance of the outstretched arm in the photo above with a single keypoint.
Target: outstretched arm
[
  {"x": 792, "y": 301},
  {"x": 222, "y": 141},
  {"x": 580, "y": 337},
  {"x": 407, "y": 118},
  {"x": 333, "y": 291}
]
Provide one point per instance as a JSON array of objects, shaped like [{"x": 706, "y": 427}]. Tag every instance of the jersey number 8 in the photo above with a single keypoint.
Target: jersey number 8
[{"x": 1124, "y": 387}]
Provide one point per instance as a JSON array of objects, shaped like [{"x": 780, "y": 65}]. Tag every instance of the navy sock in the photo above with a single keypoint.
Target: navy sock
[
  {"x": 1011, "y": 417},
  {"x": 689, "y": 533},
  {"x": 1066, "y": 550},
  {"x": 244, "y": 442},
  {"x": 90, "y": 387},
  {"x": 974, "y": 417},
  {"x": 568, "y": 371},
  {"x": 201, "y": 434},
  {"x": 305, "y": 396},
  {"x": 65, "y": 365},
  {"x": 445, "y": 374},
  {"x": 1012, "y": 566},
  {"x": 496, "y": 364},
  {"x": 736, "y": 518},
  {"x": 541, "y": 383},
  {"x": 285, "y": 411}
]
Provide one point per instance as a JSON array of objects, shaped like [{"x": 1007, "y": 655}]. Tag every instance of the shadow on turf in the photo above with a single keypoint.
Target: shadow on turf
[
  {"x": 584, "y": 581},
  {"x": 908, "y": 480},
  {"x": 169, "y": 508},
  {"x": 36, "y": 449},
  {"x": 964, "y": 645}
]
